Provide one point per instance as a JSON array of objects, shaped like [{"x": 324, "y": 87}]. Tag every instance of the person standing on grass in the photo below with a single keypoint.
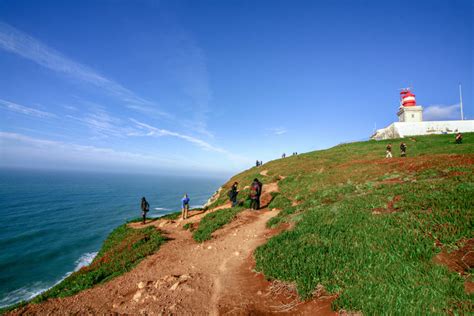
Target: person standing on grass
[
  {"x": 260, "y": 188},
  {"x": 233, "y": 194},
  {"x": 255, "y": 191},
  {"x": 403, "y": 150},
  {"x": 184, "y": 206},
  {"x": 145, "y": 206},
  {"x": 458, "y": 138},
  {"x": 389, "y": 151}
]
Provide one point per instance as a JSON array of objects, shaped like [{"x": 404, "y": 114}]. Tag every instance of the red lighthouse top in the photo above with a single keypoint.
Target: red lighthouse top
[{"x": 407, "y": 98}]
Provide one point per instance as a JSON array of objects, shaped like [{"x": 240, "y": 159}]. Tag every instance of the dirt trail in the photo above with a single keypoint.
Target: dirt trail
[{"x": 184, "y": 277}]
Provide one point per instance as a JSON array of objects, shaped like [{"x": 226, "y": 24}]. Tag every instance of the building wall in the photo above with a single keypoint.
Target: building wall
[
  {"x": 410, "y": 114},
  {"x": 403, "y": 129}
]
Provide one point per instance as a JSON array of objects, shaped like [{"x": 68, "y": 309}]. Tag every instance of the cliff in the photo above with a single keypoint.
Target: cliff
[{"x": 342, "y": 229}]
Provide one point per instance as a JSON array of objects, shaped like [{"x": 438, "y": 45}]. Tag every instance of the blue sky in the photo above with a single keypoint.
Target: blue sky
[{"x": 207, "y": 87}]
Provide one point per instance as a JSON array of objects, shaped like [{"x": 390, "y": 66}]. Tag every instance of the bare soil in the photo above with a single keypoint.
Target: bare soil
[{"x": 216, "y": 277}]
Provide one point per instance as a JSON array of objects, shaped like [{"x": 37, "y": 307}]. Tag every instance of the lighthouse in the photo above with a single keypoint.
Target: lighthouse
[
  {"x": 410, "y": 122},
  {"x": 408, "y": 110}
]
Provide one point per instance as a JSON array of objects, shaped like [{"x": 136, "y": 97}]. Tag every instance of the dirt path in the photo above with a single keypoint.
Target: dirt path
[{"x": 184, "y": 278}]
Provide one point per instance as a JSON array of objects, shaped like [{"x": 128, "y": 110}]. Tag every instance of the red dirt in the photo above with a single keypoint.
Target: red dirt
[
  {"x": 390, "y": 206},
  {"x": 461, "y": 260},
  {"x": 187, "y": 278}
]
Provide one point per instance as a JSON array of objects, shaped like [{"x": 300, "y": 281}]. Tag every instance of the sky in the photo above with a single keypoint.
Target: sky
[{"x": 208, "y": 87}]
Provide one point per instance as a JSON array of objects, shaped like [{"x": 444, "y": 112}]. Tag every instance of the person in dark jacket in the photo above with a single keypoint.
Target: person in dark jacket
[
  {"x": 255, "y": 192},
  {"x": 458, "y": 138},
  {"x": 145, "y": 206},
  {"x": 233, "y": 194},
  {"x": 403, "y": 150}
]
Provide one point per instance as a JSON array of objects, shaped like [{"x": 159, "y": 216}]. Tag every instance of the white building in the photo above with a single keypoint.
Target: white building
[{"x": 410, "y": 122}]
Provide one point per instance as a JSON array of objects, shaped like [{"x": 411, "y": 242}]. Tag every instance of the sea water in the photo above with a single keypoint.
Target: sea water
[{"x": 54, "y": 222}]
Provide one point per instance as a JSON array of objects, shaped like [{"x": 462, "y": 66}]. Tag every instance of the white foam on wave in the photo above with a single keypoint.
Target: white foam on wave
[
  {"x": 162, "y": 209},
  {"x": 29, "y": 292},
  {"x": 84, "y": 260}
]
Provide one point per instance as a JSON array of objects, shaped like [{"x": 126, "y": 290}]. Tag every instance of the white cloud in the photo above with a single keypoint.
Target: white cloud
[
  {"x": 17, "y": 42},
  {"x": 101, "y": 123},
  {"x": 15, "y": 107},
  {"x": 34, "y": 150},
  {"x": 157, "y": 132},
  {"x": 278, "y": 130},
  {"x": 442, "y": 112}
]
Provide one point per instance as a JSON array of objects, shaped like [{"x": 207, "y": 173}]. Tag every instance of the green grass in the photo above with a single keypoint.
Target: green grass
[
  {"x": 377, "y": 264},
  {"x": 123, "y": 249},
  {"x": 213, "y": 221}
]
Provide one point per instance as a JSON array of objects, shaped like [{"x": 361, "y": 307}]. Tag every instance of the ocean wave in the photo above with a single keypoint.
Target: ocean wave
[
  {"x": 84, "y": 260},
  {"x": 29, "y": 292},
  {"x": 23, "y": 294},
  {"x": 162, "y": 209}
]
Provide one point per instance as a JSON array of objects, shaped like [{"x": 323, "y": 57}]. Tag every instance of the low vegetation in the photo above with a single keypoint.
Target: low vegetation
[
  {"x": 368, "y": 228},
  {"x": 213, "y": 221},
  {"x": 123, "y": 249}
]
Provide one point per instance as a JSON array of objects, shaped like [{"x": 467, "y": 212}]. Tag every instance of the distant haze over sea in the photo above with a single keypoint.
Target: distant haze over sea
[{"x": 54, "y": 222}]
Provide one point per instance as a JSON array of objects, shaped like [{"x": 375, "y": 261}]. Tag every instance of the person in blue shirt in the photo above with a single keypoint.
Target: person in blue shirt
[{"x": 185, "y": 206}]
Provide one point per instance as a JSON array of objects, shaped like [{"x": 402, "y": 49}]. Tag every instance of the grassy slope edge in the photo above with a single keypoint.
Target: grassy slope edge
[
  {"x": 368, "y": 228},
  {"x": 123, "y": 249}
]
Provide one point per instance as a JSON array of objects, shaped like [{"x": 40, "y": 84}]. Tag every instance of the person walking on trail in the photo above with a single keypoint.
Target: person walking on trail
[
  {"x": 403, "y": 150},
  {"x": 145, "y": 206},
  {"x": 389, "y": 151},
  {"x": 458, "y": 138},
  {"x": 233, "y": 194},
  {"x": 184, "y": 206},
  {"x": 283, "y": 156},
  {"x": 255, "y": 192}
]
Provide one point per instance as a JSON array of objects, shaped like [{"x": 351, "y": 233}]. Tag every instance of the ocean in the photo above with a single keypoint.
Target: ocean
[{"x": 54, "y": 222}]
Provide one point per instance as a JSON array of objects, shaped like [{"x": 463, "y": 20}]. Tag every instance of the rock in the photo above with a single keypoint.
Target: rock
[
  {"x": 187, "y": 288},
  {"x": 209, "y": 247},
  {"x": 236, "y": 253},
  {"x": 174, "y": 286},
  {"x": 141, "y": 285},
  {"x": 163, "y": 223},
  {"x": 184, "y": 277},
  {"x": 137, "y": 296},
  {"x": 259, "y": 293}
]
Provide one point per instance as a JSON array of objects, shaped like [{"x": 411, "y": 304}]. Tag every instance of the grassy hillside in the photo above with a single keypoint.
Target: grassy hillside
[{"x": 368, "y": 228}]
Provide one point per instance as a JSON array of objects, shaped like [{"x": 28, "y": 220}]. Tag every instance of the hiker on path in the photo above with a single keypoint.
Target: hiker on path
[
  {"x": 233, "y": 194},
  {"x": 403, "y": 150},
  {"x": 184, "y": 206},
  {"x": 283, "y": 156},
  {"x": 261, "y": 162},
  {"x": 257, "y": 163},
  {"x": 255, "y": 192},
  {"x": 389, "y": 151},
  {"x": 145, "y": 206},
  {"x": 458, "y": 138}
]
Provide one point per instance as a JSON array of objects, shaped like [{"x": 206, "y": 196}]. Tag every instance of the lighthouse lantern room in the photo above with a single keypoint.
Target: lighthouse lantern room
[{"x": 409, "y": 111}]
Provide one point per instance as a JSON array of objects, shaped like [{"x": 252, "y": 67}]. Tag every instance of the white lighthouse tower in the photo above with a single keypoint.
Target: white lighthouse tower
[
  {"x": 410, "y": 122},
  {"x": 409, "y": 111}
]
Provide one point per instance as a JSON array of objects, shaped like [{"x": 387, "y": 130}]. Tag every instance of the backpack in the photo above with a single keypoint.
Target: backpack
[{"x": 254, "y": 190}]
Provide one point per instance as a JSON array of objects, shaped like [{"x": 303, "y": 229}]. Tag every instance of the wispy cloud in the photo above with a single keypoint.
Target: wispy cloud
[
  {"x": 70, "y": 152},
  {"x": 148, "y": 130},
  {"x": 153, "y": 131},
  {"x": 277, "y": 130},
  {"x": 442, "y": 112},
  {"x": 103, "y": 124},
  {"x": 22, "y": 44},
  {"x": 18, "y": 108}
]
